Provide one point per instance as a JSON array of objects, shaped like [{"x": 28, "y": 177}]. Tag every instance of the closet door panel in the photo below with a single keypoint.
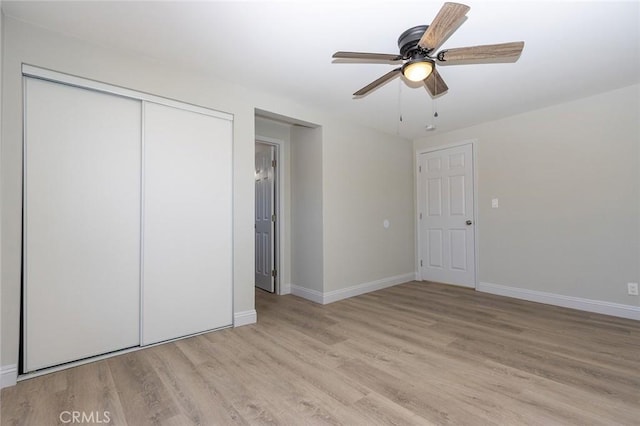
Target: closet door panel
[
  {"x": 187, "y": 234},
  {"x": 81, "y": 223}
]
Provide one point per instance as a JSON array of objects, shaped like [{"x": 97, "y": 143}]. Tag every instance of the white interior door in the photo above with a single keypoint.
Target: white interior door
[
  {"x": 187, "y": 235},
  {"x": 81, "y": 223},
  {"x": 445, "y": 182},
  {"x": 265, "y": 215}
]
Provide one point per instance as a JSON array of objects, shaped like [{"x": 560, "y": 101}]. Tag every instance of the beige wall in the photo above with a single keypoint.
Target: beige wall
[
  {"x": 35, "y": 46},
  {"x": 567, "y": 179},
  {"x": 307, "y": 203},
  {"x": 368, "y": 178}
]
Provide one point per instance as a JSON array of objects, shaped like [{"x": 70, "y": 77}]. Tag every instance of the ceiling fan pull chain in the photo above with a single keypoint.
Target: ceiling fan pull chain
[
  {"x": 435, "y": 102},
  {"x": 400, "y": 98},
  {"x": 399, "y": 104}
]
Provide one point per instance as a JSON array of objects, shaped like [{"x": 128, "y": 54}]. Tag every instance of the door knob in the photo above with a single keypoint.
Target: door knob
[{"x": 469, "y": 222}]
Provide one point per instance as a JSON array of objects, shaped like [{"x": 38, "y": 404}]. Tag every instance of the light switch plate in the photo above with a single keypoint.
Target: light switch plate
[{"x": 494, "y": 203}]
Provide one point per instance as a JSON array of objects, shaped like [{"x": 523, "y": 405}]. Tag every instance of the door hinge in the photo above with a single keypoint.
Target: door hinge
[
  {"x": 420, "y": 169},
  {"x": 420, "y": 215},
  {"x": 274, "y": 273},
  {"x": 273, "y": 163},
  {"x": 273, "y": 218},
  {"x": 421, "y": 263}
]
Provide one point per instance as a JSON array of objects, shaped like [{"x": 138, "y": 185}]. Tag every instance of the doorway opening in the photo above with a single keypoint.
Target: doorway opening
[{"x": 291, "y": 149}]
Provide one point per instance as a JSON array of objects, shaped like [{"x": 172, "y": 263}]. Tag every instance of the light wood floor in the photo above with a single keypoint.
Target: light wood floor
[{"x": 416, "y": 353}]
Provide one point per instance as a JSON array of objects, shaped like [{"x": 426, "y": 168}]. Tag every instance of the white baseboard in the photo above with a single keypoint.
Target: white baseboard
[
  {"x": 285, "y": 289},
  {"x": 306, "y": 293},
  {"x": 245, "y": 318},
  {"x": 356, "y": 290},
  {"x": 589, "y": 305},
  {"x": 8, "y": 375}
]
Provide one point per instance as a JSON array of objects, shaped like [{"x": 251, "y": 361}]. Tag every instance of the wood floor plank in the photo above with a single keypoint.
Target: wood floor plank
[
  {"x": 144, "y": 398},
  {"x": 375, "y": 409},
  {"x": 228, "y": 375},
  {"x": 20, "y": 404},
  {"x": 91, "y": 389},
  {"x": 414, "y": 354},
  {"x": 189, "y": 389},
  {"x": 427, "y": 402}
]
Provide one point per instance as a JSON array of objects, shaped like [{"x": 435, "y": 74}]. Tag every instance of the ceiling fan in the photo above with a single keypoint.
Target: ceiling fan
[{"x": 419, "y": 44}]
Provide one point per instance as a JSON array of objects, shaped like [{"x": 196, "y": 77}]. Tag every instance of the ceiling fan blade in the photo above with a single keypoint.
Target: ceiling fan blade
[
  {"x": 443, "y": 25},
  {"x": 379, "y": 82},
  {"x": 435, "y": 84},
  {"x": 367, "y": 56},
  {"x": 486, "y": 53}
]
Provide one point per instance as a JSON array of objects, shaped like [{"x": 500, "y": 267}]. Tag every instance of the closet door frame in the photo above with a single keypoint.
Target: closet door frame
[
  {"x": 84, "y": 83},
  {"x": 71, "y": 80}
]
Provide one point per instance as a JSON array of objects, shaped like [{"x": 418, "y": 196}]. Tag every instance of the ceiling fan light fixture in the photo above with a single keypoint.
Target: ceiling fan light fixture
[{"x": 417, "y": 70}]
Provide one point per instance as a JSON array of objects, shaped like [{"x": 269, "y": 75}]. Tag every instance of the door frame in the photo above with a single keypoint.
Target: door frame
[
  {"x": 418, "y": 240},
  {"x": 279, "y": 207}
]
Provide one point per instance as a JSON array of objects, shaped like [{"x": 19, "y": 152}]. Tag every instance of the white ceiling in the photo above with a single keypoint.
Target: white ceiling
[{"x": 572, "y": 50}]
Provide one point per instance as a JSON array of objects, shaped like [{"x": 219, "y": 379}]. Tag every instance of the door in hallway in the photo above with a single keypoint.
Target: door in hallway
[{"x": 265, "y": 217}]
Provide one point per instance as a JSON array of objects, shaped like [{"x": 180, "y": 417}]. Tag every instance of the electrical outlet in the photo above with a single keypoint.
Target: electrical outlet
[{"x": 632, "y": 289}]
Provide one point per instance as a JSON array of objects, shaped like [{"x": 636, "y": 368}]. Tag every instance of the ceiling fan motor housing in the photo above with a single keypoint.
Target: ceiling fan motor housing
[{"x": 408, "y": 42}]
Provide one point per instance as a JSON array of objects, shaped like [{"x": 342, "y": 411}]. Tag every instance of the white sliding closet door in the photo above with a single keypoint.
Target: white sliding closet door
[
  {"x": 81, "y": 223},
  {"x": 187, "y": 235}
]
